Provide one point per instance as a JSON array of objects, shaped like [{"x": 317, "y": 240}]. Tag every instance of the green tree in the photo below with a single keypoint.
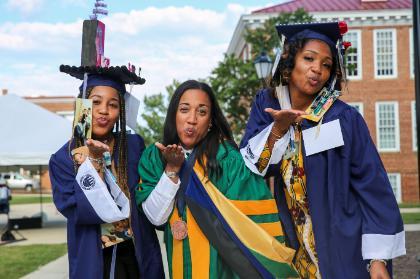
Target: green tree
[
  {"x": 265, "y": 38},
  {"x": 235, "y": 82},
  {"x": 155, "y": 107}
]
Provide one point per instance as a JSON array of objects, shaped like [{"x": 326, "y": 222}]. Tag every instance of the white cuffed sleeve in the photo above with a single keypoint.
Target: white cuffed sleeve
[
  {"x": 381, "y": 246},
  {"x": 252, "y": 151},
  {"x": 159, "y": 205}
]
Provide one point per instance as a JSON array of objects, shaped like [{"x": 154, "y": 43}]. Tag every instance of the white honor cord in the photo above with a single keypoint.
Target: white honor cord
[{"x": 113, "y": 262}]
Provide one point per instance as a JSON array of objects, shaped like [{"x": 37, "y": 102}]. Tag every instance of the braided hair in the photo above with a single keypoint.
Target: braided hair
[{"x": 120, "y": 145}]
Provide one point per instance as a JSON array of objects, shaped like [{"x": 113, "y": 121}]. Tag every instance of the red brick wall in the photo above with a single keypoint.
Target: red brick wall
[{"x": 401, "y": 89}]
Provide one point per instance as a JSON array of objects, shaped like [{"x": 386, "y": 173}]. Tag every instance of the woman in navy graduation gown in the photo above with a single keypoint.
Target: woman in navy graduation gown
[
  {"x": 335, "y": 200},
  {"x": 107, "y": 236}
]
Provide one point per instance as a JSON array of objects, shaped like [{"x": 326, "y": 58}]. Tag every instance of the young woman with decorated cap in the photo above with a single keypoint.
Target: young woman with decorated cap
[
  {"x": 334, "y": 198},
  {"x": 93, "y": 187}
]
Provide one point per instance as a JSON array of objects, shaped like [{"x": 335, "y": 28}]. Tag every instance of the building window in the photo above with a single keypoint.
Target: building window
[
  {"x": 411, "y": 53},
  {"x": 354, "y": 54},
  {"x": 385, "y": 50},
  {"x": 395, "y": 180},
  {"x": 358, "y": 106},
  {"x": 414, "y": 124},
  {"x": 387, "y": 126}
]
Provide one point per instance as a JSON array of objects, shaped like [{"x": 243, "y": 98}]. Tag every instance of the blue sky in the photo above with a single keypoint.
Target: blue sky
[{"x": 168, "y": 39}]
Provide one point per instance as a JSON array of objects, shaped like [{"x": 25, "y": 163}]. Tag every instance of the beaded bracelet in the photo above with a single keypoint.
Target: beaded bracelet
[{"x": 99, "y": 161}]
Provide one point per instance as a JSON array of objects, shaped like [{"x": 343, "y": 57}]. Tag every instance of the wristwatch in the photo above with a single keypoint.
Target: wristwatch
[{"x": 171, "y": 174}]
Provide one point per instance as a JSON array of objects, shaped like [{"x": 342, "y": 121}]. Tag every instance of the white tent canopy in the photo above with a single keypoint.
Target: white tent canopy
[{"x": 29, "y": 134}]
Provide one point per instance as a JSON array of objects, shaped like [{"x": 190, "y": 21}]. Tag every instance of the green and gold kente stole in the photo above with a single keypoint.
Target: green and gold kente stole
[{"x": 250, "y": 249}]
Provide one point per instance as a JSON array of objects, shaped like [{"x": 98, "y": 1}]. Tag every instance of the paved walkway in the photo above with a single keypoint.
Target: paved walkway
[
  {"x": 54, "y": 231},
  {"x": 410, "y": 210},
  {"x": 58, "y": 269}
]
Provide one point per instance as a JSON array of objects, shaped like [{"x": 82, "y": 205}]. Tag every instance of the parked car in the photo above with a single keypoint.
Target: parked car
[{"x": 17, "y": 181}]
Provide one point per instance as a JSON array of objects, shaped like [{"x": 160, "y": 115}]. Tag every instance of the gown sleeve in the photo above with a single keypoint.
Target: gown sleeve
[
  {"x": 67, "y": 195},
  {"x": 383, "y": 234},
  {"x": 256, "y": 135},
  {"x": 155, "y": 195}
]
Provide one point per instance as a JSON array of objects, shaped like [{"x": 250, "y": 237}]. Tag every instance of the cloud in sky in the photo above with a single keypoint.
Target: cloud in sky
[
  {"x": 25, "y": 6},
  {"x": 168, "y": 43}
]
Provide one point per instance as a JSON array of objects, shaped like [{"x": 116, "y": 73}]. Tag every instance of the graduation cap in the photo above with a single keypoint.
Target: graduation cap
[
  {"x": 329, "y": 32},
  {"x": 93, "y": 61},
  {"x": 95, "y": 69}
]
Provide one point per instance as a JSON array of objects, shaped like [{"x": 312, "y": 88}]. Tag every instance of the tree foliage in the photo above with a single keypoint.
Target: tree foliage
[
  {"x": 234, "y": 81},
  {"x": 154, "y": 114},
  {"x": 265, "y": 37}
]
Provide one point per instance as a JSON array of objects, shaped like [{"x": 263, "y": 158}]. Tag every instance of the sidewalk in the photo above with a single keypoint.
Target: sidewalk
[
  {"x": 58, "y": 269},
  {"x": 410, "y": 210},
  {"x": 54, "y": 231}
]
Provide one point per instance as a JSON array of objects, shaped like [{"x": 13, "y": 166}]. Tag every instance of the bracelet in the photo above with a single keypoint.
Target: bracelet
[
  {"x": 171, "y": 174},
  {"x": 369, "y": 265},
  {"x": 99, "y": 161}
]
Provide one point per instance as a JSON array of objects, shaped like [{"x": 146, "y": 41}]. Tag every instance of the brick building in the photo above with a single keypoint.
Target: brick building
[
  {"x": 381, "y": 82},
  {"x": 61, "y": 105}
]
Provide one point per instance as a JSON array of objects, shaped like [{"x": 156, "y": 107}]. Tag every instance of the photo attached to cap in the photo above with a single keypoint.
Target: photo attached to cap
[{"x": 82, "y": 124}]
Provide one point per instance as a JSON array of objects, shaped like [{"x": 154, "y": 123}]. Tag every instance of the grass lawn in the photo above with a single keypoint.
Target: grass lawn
[
  {"x": 22, "y": 199},
  {"x": 409, "y": 205},
  {"x": 17, "y": 261},
  {"x": 411, "y": 218}
]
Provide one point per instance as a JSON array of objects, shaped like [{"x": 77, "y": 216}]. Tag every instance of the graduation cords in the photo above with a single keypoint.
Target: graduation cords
[
  {"x": 120, "y": 261},
  {"x": 113, "y": 260}
]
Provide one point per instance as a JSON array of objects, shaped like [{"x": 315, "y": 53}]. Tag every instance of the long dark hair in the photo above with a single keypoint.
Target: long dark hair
[
  {"x": 120, "y": 144},
  {"x": 287, "y": 63},
  {"x": 219, "y": 133}
]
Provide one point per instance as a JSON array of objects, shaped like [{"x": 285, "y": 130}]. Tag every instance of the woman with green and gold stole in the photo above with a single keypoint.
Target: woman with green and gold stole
[{"x": 221, "y": 220}]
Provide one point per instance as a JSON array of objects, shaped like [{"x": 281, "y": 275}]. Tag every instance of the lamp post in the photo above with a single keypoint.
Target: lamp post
[{"x": 263, "y": 66}]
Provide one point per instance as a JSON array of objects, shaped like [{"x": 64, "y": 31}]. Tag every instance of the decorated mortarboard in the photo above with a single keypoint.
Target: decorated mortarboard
[
  {"x": 332, "y": 34},
  {"x": 95, "y": 68},
  {"x": 329, "y": 32}
]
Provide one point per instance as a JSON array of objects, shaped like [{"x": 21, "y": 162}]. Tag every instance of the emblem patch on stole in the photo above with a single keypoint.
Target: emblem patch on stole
[
  {"x": 249, "y": 151},
  {"x": 87, "y": 182}
]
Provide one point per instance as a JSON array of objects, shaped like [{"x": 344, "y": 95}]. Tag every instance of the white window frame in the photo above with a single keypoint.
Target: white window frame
[
  {"x": 398, "y": 193},
  {"x": 413, "y": 125},
  {"x": 394, "y": 54},
  {"x": 359, "y": 54},
  {"x": 397, "y": 127},
  {"x": 411, "y": 53},
  {"x": 358, "y": 104}
]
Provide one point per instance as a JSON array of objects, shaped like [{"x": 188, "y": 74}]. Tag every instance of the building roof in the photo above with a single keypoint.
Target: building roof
[{"x": 337, "y": 5}]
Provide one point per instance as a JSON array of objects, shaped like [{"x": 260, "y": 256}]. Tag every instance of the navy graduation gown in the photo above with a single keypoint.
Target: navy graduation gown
[
  {"x": 348, "y": 192},
  {"x": 83, "y": 224}
]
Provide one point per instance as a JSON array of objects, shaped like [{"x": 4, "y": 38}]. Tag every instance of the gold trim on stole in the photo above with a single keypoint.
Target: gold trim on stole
[
  {"x": 177, "y": 252},
  {"x": 244, "y": 227}
]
